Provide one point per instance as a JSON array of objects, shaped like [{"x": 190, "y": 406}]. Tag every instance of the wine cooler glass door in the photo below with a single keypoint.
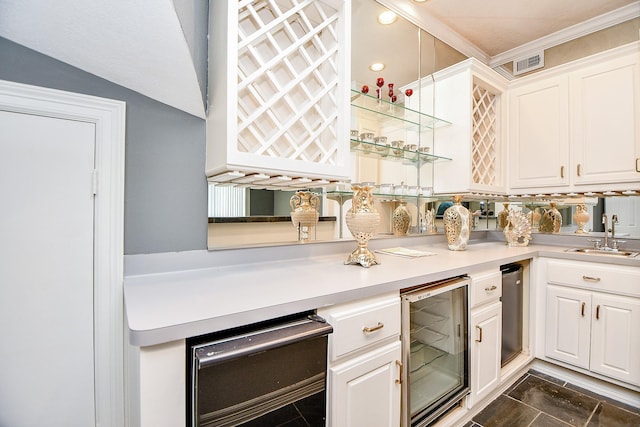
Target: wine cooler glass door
[{"x": 435, "y": 349}]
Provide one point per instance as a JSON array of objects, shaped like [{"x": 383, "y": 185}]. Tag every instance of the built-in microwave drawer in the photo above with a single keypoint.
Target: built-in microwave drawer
[
  {"x": 485, "y": 287},
  {"x": 617, "y": 279},
  {"x": 362, "y": 323}
]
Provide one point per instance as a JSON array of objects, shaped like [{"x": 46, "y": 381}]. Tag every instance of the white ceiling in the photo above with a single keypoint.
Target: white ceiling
[
  {"x": 497, "y": 26},
  {"x": 142, "y": 45},
  {"x": 137, "y": 44}
]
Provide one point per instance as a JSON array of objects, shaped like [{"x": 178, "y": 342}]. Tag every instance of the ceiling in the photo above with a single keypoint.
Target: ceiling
[
  {"x": 497, "y": 26},
  {"x": 153, "y": 50}
]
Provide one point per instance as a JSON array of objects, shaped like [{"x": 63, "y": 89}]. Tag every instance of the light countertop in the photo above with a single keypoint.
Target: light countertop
[{"x": 174, "y": 296}]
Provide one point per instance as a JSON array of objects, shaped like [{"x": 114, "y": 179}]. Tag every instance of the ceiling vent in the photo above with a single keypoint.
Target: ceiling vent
[{"x": 531, "y": 62}]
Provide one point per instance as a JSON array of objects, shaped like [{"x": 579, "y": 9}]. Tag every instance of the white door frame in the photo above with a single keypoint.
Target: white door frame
[{"x": 109, "y": 119}]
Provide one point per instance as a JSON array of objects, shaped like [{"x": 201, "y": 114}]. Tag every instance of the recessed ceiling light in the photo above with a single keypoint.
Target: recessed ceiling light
[
  {"x": 378, "y": 66},
  {"x": 387, "y": 17}
]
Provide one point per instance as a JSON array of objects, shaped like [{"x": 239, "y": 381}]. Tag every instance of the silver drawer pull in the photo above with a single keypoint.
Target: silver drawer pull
[
  {"x": 492, "y": 288},
  {"x": 368, "y": 330},
  {"x": 591, "y": 279}
]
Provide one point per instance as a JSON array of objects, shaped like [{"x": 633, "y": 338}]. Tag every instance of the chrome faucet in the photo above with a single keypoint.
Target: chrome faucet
[
  {"x": 614, "y": 241},
  {"x": 606, "y": 231}
]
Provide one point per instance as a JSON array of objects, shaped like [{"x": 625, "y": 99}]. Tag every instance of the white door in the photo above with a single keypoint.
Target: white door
[
  {"x": 615, "y": 337},
  {"x": 486, "y": 349},
  {"x": 605, "y": 117},
  {"x": 539, "y": 134},
  {"x": 628, "y": 211},
  {"x": 46, "y": 271},
  {"x": 568, "y": 325},
  {"x": 365, "y": 391}
]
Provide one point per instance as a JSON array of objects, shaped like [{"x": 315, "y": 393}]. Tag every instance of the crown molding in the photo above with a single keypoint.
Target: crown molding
[
  {"x": 587, "y": 27},
  {"x": 436, "y": 28}
]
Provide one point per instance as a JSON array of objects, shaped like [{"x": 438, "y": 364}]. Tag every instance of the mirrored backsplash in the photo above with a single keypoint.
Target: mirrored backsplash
[{"x": 264, "y": 218}]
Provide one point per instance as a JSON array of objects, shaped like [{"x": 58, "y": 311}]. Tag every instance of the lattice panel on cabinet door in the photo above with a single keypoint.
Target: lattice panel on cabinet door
[
  {"x": 288, "y": 79},
  {"x": 484, "y": 140}
]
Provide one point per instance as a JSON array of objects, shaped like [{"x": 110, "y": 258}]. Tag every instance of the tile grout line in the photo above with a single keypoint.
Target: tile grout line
[
  {"x": 534, "y": 419},
  {"x": 536, "y": 409}
]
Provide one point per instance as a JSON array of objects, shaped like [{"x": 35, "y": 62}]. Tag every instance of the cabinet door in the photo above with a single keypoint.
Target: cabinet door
[
  {"x": 365, "y": 391},
  {"x": 485, "y": 351},
  {"x": 568, "y": 324},
  {"x": 539, "y": 134},
  {"x": 605, "y": 116},
  {"x": 615, "y": 337}
]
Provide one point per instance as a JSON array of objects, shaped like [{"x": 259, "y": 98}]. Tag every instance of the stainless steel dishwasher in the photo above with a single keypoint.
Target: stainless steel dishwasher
[
  {"x": 259, "y": 375},
  {"x": 511, "y": 312}
]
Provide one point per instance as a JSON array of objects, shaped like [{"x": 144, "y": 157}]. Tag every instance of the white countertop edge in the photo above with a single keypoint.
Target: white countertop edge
[{"x": 164, "y": 307}]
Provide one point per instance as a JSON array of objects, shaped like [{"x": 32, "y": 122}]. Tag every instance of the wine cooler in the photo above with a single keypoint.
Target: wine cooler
[{"x": 435, "y": 351}]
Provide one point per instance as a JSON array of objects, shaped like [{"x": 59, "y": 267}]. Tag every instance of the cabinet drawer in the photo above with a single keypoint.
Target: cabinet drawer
[
  {"x": 485, "y": 287},
  {"x": 360, "y": 324},
  {"x": 617, "y": 279}
]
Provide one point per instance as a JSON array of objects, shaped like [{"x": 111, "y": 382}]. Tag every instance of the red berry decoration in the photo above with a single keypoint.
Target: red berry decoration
[
  {"x": 365, "y": 89},
  {"x": 380, "y": 82},
  {"x": 394, "y": 98},
  {"x": 408, "y": 92}
]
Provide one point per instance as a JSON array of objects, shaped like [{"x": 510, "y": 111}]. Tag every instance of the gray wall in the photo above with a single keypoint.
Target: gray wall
[{"x": 165, "y": 185}]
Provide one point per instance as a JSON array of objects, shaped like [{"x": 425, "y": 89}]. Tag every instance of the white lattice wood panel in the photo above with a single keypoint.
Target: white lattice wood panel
[
  {"x": 484, "y": 148},
  {"x": 287, "y": 79}
]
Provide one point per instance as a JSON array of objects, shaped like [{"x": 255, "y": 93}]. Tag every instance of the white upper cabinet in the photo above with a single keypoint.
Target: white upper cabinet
[
  {"x": 469, "y": 95},
  {"x": 605, "y": 108},
  {"x": 539, "y": 134},
  {"x": 279, "y": 90},
  {"x": 577, "y": 127}
]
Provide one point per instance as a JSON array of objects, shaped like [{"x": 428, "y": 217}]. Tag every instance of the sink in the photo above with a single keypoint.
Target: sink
[{"x": 606, "y": 252}]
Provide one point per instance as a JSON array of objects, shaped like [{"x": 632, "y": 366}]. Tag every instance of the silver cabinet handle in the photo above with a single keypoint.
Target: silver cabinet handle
[
  {"x": 582, "y": 310},
  {"x": 399, "y": 365},
  {"x": 492, "y": 288},
  {"x": 368, "y": 330},
  {"x": 578, "y": 169},
  {"x": 637, "y": 163},
  {"x": 561, "y": 171},
  {"x": 590, "y": 279}
]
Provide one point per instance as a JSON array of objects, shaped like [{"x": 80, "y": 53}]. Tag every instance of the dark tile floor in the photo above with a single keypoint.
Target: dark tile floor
[{"x": 538, "y": 400}]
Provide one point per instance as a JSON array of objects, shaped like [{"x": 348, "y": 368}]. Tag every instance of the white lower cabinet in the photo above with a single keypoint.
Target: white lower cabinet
[
  {"x": 568, "y": 330},
  {"x": 363, "y": 386},
  {"x": 485, "y": 343},
  {"x": 486, "y": 346},
  {"x": 597, "y": 330},
  {"x": 365, "y": 391}
]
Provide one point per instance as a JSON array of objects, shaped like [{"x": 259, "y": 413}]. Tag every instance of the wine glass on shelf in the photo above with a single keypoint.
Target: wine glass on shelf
[{"x": 379, "y": 83}]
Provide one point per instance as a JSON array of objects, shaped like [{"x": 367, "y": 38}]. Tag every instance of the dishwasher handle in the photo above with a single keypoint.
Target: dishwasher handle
[{"x": 261, "y": 340}]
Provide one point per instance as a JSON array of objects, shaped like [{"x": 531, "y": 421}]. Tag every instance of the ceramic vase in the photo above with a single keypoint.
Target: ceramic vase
[
  {"x": 551, "y": 220},
  {"x": 456, "y": 225},
  {"x": 430, "y": 220},
  {"x": 401, "y": 220},
  {"x": 581, "y": 217},
  {"x": 502, "y": 217},
  {"x": 362, "y": 221},
  {"x": 304, "y": 213},
  {"x": 517, "y": 230},
  {"x": 535, "y": 218}
]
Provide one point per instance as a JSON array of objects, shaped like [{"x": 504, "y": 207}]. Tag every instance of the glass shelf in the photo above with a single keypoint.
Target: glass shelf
[
  {"x": 385, "y": 111},
  {"x": 389, "y": 153},
  {"x": 342, "y": 196}
]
